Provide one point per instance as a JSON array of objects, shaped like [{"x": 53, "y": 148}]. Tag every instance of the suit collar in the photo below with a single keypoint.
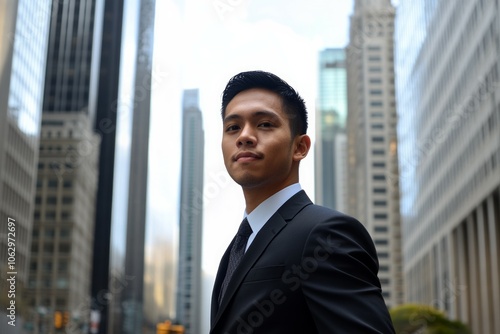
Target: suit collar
[{"x": 268, "y": 232}]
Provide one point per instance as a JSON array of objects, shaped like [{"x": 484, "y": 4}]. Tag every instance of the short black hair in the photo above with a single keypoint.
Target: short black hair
[{"x": 293, "y": 104}]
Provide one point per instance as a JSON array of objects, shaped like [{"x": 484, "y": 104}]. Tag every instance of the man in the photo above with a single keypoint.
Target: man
[{"x": 302, "y": 268}]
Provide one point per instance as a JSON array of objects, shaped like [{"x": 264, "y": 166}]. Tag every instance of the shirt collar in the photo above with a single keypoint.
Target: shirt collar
[{"x": 261, "y": 214}]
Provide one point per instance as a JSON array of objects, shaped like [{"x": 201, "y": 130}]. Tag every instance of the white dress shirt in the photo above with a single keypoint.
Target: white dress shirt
[{"x": 261, "y": 214}]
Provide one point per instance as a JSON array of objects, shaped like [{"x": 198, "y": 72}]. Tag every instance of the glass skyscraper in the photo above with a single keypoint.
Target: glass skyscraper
[
  {"x": 23, "y": 51},
  {"x": 189, "y": 294},
  {"x": 331, "y": 161},
  {"x": 448, "y": 65}
]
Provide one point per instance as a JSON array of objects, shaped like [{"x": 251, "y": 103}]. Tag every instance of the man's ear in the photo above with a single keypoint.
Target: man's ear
[{"x": 302, "y": 145}]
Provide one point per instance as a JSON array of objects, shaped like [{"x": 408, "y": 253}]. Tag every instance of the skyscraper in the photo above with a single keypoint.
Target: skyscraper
[
  {"x": 189, "y": 298},
  {"x": 331, "y": 116},
  {"x": 23, "y": 51},
  {"x": 60, "y": 269},
  {"x": 373, "y": 191},
  {"x": 135, "y": 208},
  {"x": 63, "y": 230},
  {"x": 106, "y": 127},
  {"x": 73, "y": 57},
  {"x": 448, "y": 66}
]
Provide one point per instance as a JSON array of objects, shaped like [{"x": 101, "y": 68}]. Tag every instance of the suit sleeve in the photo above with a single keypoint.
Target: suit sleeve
[{"x": 339, "y": 279}]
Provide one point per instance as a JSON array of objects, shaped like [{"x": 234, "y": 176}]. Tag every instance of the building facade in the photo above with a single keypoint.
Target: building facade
[
  {"x": 448, "y": 63},
  {"x": 373, "y": 190},
  {"x": 135, "y": 210},
  {"x": 23, "y": 51},
  {"x": 330, "y": 158},
  {"x": 63, "y": 230},
  {"x": 189, "y": 279},
  {"x": 73, "y": 56}
]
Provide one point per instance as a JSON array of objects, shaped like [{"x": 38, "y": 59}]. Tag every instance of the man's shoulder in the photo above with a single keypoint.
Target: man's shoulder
[{"x": 320, "y": 216}]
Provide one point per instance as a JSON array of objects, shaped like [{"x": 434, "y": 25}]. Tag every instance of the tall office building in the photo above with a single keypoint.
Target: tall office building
[
  {"x": 373, "y": 191},
  {"x": 448, "y": 70},
  {"x": 189, "y": 287},
  {"x": 73, "y": 57},
  {"x": 104, "y": 283},
  {"x": 23, "y": 51},
  {"x": 331, "y": 161},
  {"x": 63, "y": 229},
  {"x": 71, "y": 87},
  {"x": 134, "y": 211}
]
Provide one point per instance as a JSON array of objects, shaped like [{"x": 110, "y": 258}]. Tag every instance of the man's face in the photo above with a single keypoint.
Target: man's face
[{"x": 257, "y": 143}]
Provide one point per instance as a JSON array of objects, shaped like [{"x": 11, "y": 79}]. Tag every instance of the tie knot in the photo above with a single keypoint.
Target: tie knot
[{"x": 245, "y": 230}]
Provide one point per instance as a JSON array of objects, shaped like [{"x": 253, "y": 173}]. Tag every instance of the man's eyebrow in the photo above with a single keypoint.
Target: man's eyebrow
[{"x": 256, "y": 114}]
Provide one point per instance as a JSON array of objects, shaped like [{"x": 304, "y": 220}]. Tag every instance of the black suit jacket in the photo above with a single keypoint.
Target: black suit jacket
[{"x": 308, "y": 270}]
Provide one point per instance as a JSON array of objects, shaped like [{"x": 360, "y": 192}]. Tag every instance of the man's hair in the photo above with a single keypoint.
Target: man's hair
[{"x": 292, "y": 103}]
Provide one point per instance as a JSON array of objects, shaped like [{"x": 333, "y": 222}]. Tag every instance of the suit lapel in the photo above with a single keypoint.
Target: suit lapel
[{"x": 268, "y": 232}]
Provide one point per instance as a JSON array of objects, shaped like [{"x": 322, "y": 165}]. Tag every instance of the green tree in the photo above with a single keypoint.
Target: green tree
[{"x": 422, "y": 319}]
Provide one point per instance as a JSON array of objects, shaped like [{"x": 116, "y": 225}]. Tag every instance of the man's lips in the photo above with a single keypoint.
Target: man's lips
[{"x": 247, "y": 156}]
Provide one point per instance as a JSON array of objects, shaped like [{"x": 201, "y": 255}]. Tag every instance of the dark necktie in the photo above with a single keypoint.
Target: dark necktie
[{"x": 237, "y": 252}]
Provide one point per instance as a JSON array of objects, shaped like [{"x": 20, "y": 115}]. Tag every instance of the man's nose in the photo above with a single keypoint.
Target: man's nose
[{"x": 247, "y": 137}]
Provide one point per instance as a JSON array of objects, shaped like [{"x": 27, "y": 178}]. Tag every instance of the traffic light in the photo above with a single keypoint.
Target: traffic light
[
  {"x": 162, "y": 327},
  {"x": 58, "y": 320},
  {"x": 176, "y": 329},
  {"x": 166, "y": 327},
  {"x": 65, "y": 318}
]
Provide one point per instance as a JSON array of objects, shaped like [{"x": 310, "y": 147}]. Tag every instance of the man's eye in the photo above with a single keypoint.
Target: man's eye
[
  {"x": 232, "y": 128},
  {"x": 265, "y": 125}
]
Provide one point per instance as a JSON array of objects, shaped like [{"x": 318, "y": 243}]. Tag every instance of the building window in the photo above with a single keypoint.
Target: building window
[
  {"x": 51, "y": 200},
  {"x": 380, "y": 216},
  {"x": 67, "y": 200},
  {"x": 62, "y": 283},
  {"x": 378, "y": 152},
  {"x": 380, "y": 203},
  {"x": 384, "y": 268},
  {"x": 64, "y": 232},
  {"x": 33, "y": 265},
  {"x": 378, "y": 164},
  {"x": 383, "y": 255},
  {"x": 377, "y": 139},
  {"x": 379, "y": 190},
  {"x": 64, "y": 248},
  {"x": 62, "y": 266},
  {"x": 47, "y": 266},
  {"x": 376, "y": 103},
  {"x": 381, "y": 229},
  {"x": 378, "y": 177},
  {"x": 375, "y": 92},
  {"x": 48, "y": 247},
  {"x": 49, "y": 232}
]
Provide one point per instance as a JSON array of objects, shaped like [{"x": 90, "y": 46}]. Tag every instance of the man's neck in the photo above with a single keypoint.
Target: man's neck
[{"x": 255, "y": 196}]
